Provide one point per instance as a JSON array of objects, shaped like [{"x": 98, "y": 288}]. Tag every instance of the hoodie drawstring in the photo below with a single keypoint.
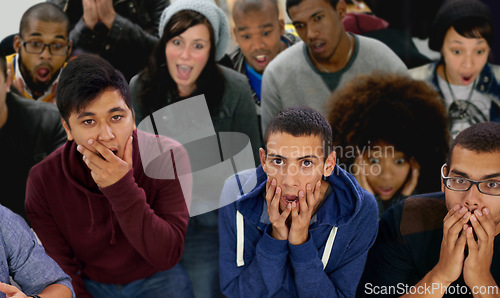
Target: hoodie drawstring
[
  {"x": 92, "y": 221},
  {"x": 113, "y": 237}
]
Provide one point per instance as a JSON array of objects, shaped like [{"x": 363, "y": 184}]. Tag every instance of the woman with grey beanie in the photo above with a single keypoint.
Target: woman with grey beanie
[{"x": 194, "y": 35}]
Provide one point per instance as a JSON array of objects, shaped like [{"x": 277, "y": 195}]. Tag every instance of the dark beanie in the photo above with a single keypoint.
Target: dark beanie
[{"x": 452, "y": 11}]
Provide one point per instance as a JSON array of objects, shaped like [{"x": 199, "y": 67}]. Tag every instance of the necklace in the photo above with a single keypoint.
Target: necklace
[
  {"x": 462, "y": 111},
  {"x": 345, "y": 61}
]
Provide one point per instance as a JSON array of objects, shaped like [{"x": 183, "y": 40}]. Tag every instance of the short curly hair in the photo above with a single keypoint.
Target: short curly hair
[
  {"x": 395, "y": 109},
  {"x": 301, "y": 121},
  {"x": 480, "y": 138}
]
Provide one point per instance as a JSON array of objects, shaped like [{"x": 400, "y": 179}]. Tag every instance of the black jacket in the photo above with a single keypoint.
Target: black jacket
[
  {"x": 132, "y": 38},
  {"x": 32, "y": 131}
]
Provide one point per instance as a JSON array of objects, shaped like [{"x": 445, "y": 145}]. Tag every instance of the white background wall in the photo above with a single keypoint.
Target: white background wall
[{"x": 10, "y": 15}]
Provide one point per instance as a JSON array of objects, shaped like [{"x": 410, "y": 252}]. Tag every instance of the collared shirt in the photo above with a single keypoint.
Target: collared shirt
[
  {"x": 23, "y": 258},
  {"x": 49, "y": 94},
  {"x": 239, "y": 63}
]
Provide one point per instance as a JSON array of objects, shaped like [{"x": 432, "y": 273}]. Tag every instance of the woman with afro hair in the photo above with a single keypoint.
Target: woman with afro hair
[{"x": 391, "y": 132}]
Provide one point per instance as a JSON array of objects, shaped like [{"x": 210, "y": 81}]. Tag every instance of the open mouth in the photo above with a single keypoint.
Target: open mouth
[
  {"x": 385, "y": 191},
  {"x": 261, "y": 59},
  {"x": 467, "y": 79},
  {"x": 43, "y": 74},
  {"x": 184, "y": 71},
  {"x": 290, "y": 198},
  {"x": 318, "y": 46}
]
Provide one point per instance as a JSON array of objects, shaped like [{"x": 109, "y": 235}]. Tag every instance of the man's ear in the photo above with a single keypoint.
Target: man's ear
[
  {"x": 67, "y": 129},
  {"x": 17, "y": 43},
  {"x": 262, "y": 155},
  {"x": 235, "y": 32},
  {"x": 329, "y": 164},
  {"x": 443, "y": 169},
  {"x": 341, "y": 9},
  {"x": 282, "y": 26}
]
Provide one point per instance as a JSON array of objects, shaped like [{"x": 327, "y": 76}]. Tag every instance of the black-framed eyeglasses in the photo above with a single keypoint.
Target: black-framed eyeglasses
[
  {"x": 487, "y": 187},
  {"x": 37, "y": 47}
]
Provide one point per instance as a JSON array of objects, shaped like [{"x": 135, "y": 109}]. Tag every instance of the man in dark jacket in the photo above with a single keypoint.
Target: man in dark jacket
[
  {"x": 122, "y": 32},
  {"x": 445, "y": 244},
  {"x": 29, "y": 131}
]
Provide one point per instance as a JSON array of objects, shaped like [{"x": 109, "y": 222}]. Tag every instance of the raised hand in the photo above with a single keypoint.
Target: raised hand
[
  {"x": 17, "y": 84},
  {"x": 478, "y": 263},
  {"x": 106, "y": 12},
  {"x": 277, "y": 218},
  {"x": 106, "y": 168},
  {"x": 95, "y": 11},
  {"x": 90, "y": 15},
  {"x": 360, "y": 174},
  {"x": 411, "y": 184},
  {"x": 302, "y": 213}
]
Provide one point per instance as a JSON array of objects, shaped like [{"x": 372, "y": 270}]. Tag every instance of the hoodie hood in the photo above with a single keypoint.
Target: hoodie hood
[{"x": 341, "y": 205}]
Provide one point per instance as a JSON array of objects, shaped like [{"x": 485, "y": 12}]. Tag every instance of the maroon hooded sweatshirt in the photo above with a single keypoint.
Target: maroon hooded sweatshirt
[{"x": 117, "y": 234}]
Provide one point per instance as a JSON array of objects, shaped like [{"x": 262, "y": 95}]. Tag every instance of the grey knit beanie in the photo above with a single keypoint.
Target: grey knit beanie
[
  {"x": 452, "y": 11},
  {"x": 207, "y": 8}
]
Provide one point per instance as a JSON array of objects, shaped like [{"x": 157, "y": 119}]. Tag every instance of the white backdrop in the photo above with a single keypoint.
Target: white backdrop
[{"x": 10, "y": 15}]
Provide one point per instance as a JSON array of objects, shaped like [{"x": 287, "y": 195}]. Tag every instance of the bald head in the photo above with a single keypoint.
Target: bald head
[
  {"x": 247, "y": 6},
  {"x": 45, "y": 12}
]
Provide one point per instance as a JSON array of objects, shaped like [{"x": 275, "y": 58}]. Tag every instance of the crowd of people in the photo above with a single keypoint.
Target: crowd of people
[{"x": 321, "y": 156}]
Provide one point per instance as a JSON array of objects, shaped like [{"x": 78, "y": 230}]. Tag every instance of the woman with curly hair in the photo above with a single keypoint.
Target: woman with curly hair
[{"x": 391, "y": 132}]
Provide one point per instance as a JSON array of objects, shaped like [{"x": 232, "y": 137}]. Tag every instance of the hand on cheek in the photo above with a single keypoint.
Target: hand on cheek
[
  {"x": 412, "y": 182},
  {"x": 277, "y": 219},
  {"x": 360, "y": 174}
]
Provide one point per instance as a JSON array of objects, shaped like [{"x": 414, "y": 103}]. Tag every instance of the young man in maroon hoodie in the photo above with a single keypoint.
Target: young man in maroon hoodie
[{"x": 113, "y": 223}]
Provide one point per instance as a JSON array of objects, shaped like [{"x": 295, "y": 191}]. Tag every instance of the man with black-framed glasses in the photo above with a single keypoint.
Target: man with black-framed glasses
[
  {"x": 448, "y": 243},
  {"x": 42, "y": 49}
]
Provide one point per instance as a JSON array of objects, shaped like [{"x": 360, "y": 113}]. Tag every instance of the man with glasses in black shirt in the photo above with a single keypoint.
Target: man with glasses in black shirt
[
  {"x": 42, "y": 48},
  {"x": 445, "y": 243}
]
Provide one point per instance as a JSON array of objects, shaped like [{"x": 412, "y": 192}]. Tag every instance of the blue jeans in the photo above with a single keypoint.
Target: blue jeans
[
  {"x": 171, "y": 283},
  {"x": 201, "y": 254}
]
